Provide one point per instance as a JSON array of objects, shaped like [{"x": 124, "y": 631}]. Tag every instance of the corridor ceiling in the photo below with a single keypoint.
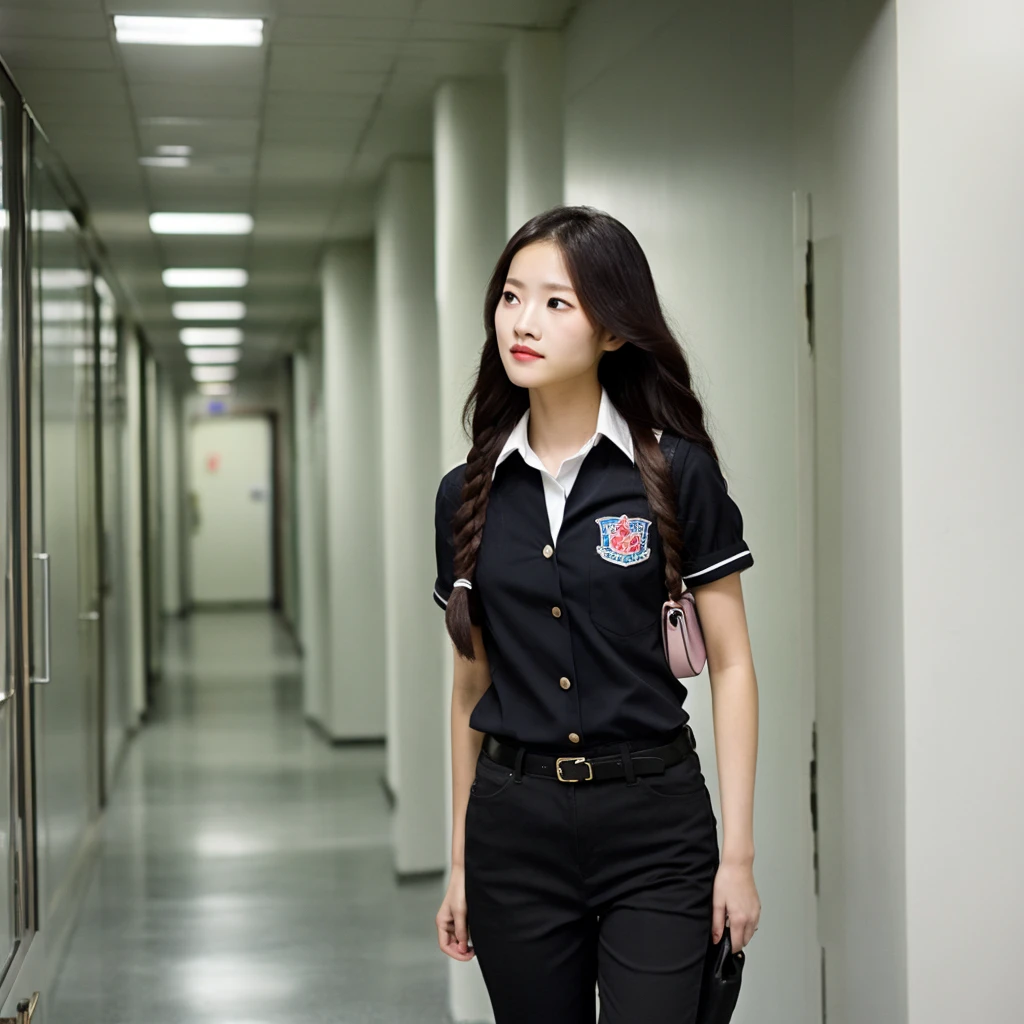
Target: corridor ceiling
[{"x": 296, "y": 132}]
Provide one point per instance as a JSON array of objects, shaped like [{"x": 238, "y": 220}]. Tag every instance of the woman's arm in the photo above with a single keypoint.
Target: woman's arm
[
  {"x": 471, "y": 679},
  {"x": 735, "y": 711}
]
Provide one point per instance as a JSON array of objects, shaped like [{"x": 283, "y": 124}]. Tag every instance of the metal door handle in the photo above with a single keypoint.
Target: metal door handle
[
  {"x": 44, "y": 557},
  {"x": 26, "y": 1007},
  {"x": 90, "y": 616}
]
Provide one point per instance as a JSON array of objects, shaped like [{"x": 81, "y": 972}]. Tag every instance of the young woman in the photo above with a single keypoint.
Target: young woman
[{"x": 584, "y": 846}]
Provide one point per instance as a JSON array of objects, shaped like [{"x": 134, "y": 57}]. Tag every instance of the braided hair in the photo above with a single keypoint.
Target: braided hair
[{"x": 647, "y": 379}]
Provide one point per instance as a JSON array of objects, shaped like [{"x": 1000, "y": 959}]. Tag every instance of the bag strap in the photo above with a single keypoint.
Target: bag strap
[{"x": 669, "y": 444}]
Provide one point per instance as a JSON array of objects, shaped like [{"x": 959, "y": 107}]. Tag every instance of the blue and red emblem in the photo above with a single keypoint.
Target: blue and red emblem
[{"x": 624, "y": 541}]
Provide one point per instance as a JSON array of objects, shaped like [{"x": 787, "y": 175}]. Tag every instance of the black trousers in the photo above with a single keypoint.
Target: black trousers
[{"x": 568, "y": 884}]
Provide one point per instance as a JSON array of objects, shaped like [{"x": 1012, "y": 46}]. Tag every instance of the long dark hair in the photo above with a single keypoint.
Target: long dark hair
[{"x": 647, "y": 379}]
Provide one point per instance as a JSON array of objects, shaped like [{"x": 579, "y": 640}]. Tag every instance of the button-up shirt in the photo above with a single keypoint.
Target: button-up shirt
[
  {"x": 573, "y": 634},
  {"x": 610, "y": 424}
]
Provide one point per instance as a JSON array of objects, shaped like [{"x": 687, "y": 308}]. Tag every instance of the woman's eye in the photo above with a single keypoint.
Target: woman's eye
[
  {"x": 564, "y": 303},
  {"x": 508, "y": 296}
]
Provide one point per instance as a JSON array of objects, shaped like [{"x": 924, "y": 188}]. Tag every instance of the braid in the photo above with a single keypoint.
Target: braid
[
  {"x": 462, "y": 611},
  {"x": 656, "y": 474}
]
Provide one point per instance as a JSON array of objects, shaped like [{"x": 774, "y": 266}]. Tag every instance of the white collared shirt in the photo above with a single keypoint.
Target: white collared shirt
[{"x": 610, "y": 424}]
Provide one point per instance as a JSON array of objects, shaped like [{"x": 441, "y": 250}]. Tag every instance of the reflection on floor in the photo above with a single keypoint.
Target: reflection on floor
[{"x": 245, "y": 875}]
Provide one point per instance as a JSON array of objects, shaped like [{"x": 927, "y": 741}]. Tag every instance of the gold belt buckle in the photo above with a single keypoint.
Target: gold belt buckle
[{"x": 575, "y": 760}]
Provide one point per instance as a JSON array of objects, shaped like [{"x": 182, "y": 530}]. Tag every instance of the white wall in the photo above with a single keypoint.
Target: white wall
[
  {"x": 679, "y": 121},
  {"x": 533, "y": 86},
  {"x": 961, "y": 222},
  {"x": 845, "y": 72}
]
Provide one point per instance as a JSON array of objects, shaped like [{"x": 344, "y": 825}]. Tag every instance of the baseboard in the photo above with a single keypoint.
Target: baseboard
[{"x": 343, "y": 741}]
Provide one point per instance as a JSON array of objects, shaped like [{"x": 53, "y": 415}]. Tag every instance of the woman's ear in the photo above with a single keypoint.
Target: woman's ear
[{"x": 610, "y": 343}]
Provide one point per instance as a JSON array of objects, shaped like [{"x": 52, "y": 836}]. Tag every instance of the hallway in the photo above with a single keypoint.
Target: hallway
[{"x": 245, "y": 874}]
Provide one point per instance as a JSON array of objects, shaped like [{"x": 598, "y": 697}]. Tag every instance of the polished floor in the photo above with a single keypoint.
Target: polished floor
[{"x": 245, "y": 875}]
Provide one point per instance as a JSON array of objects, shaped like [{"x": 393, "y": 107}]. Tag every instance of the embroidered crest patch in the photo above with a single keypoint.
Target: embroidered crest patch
[{"x": 624, "y": 541}]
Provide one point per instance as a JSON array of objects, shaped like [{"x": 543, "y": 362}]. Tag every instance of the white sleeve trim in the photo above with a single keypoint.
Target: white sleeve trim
[
  {"x": 440, "y": 598},
  {"x": 724, "y": 561}
]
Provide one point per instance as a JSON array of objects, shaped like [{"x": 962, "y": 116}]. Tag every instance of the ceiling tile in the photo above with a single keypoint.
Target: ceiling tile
[
  {"x": 205, "y": 136},
  {"x": 100, "y": 90},
  {"x": 197, "y": 250},
  {"x": 195, "y": 101},
  {"x": 51, "y": 54},
  {"x": 198, "y": 196},
  {"x": 523, "y": 13},
  {"x": 302, "y": 164},
  {"x": 451, "y": 57},
  {"x": 36, "y": 18},
  {"x": 187, "y": 8},
  {"x": 350, "y": 8},
  {"x": 330, "y": 131},
  {"x": 290, "y": 64},
  {"x": 325, "y": 31},
  {"x": 323, "y": 77},
  {"x": 317, "y": 105},
  {"x": 237, "y": 67}
]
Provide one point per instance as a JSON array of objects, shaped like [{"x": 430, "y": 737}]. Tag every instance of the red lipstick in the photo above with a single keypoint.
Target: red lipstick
[{"x": 524, "y": 353}]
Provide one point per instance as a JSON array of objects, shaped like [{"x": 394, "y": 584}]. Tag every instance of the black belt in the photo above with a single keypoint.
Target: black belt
[{"x": 647, "y": 761}]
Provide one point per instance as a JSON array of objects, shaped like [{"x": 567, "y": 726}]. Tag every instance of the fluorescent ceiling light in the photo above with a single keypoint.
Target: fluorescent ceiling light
[
  {"x": 211, "y": 336},
  {"x": 164, "y": 161},
  {"x": 200, "y": 223},
  {"x": 207, "y": 374},
  {"x": 174, "y": 150},
  {"x": 189, "y": 31},
  {"x": 214, "y": 277},
  {"x": 213, "y": 356},
  {"x": 208, "y": 310},
  {"x": 63, "y": 312},
  {"x": 60, "y": 279},
  {"x": 44, "y": 220},
  {"x": 215, "y": 389}
]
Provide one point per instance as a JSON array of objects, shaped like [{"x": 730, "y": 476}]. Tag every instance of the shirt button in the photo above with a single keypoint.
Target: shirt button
[
  {"x": 548, "y": 550},
  {"x": 557, "y": 612},
  {"x": 574, "y": 737},
  {"x": 564, "y": 683}
]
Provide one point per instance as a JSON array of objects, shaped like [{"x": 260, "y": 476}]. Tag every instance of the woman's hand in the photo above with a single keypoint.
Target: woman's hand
[
  {"x": 736, "y": 895},
  {"x": 452, "y": 932}
]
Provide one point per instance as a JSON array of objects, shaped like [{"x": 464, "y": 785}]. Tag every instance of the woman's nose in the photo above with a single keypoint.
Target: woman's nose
[{"x": 526, "y": 325}]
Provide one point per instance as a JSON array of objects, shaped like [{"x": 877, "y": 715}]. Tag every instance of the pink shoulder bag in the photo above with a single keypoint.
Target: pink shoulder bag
[{"x": 682, "y": 637}]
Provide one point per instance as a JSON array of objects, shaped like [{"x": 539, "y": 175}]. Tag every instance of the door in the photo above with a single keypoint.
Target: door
[
  {"x": 232, "y": 515},
  {"x": 64, "y": 522},
  {"x": 115, "y": 703},
  {"x": 10, "y": 924}
]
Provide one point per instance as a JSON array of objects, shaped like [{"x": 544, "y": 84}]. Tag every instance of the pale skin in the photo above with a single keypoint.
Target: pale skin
[{"x": 539, "y": 309}]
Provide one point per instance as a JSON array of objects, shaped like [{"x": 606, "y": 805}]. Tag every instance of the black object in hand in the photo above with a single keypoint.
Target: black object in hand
[{"x": 720, "y": 984}]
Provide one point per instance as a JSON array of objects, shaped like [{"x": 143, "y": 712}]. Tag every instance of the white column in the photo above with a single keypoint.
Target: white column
[
  {"x": 170, "y": 506},
  {"x": 310, "y": 635},
  {"x": 469, "y": 204},
  {"x": 132, "y": 498},
  {"x": 961, "y": 362},
  {"x": 410, "y": 461},
  {"x": 533, "y": 68},
  {"x": 354, "y": 662}
]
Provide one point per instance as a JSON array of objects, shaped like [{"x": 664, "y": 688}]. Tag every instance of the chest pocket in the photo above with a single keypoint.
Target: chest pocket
[{"x": 626, "y": 576}]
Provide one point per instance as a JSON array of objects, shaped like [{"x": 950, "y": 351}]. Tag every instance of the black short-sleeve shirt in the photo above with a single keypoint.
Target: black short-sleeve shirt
[{"x": 572, "y": 630}]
